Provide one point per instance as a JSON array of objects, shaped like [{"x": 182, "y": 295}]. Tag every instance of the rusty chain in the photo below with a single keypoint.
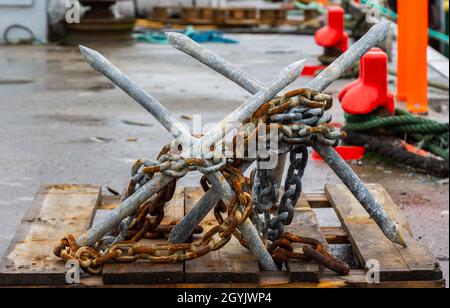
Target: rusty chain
[
  {"x": 282, "y": 250},
  {"x": 150, "y": 214},
  {"x": 298, "y": 120},
  {"x": 129, "y": 251}
]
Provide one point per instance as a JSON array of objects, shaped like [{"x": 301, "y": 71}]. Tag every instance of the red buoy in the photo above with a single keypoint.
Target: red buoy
[
  {"x": 358, "y": 81},
  {"x": 370, "y": 91},
  {"x": 333, "y": 34}
]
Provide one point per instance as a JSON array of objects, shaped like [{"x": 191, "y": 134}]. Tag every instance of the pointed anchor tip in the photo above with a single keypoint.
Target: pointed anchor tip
[
  {"x": 91, "y": 55},
  {"x": 381, "y": 29},
  {"x": 400, "y": 240},
  {"x": 83, "y": 48},
  {"x": 94, "y": 58},
  {"x": 175, "y": 37},
  {"x": 296, "y": 67},
  {"x": 173, "y": 34},
  {"x": 85, "y": 51},
  {"x": 301, "y": 62}
]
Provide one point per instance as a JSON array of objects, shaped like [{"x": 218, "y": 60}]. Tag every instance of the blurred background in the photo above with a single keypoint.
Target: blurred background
[{"x": 41, "y": 21}]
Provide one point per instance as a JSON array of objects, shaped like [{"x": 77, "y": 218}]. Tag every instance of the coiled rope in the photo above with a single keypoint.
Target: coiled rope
[{"x": 428, "y": 134}]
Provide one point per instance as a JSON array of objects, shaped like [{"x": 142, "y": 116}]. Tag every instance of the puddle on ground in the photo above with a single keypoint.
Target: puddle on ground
[
  {"x": 94, "y": 140},
  {"x": 74, "y": 119}
]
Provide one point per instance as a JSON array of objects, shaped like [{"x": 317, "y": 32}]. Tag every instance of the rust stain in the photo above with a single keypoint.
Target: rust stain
[{"x": 108, "y": 206}]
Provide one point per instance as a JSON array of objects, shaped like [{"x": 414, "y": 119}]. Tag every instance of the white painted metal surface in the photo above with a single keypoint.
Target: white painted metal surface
[
  {"x": 16, "y": 2},
  {"x": 438, "y": 62},
  {"x": 18, "y": 15}
]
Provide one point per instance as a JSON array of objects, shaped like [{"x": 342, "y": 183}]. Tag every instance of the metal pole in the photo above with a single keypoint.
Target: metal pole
[
  {"x": 387, "y": 224},
  {"x": 278, "y": 172},
  {"x": 218, "y": 64},
  {"x": 360, "y": 191},
  {"x": 375, "y": 35},
  {"x": 183, "y": 230}
]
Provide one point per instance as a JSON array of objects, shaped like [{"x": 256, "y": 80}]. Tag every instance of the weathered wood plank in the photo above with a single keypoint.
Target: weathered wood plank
[
  {"x": 335, "y": 235},
  {"x": 144, "y": 272},
  {"x": 369, "y": 242},
  {"x": 419, "y": 258},
  {"x": 356, "y": 279},
  {"x": 233, "y": 263},
  {"x": 109, "y": 202},
  {"x": 305, "y": 224},
  {"x": 57, "y": 210},
  {"x": 317, "y": 201}
]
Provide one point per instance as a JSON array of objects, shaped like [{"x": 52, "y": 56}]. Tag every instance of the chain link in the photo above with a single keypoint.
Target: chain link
[
  {"x": 282, "y": 250},
  {"x": 130, "y": 251},
  {"x": 270, "y": 216},
  {"x": 292, "y": 192},
  {"x": 265, "y": 195}
]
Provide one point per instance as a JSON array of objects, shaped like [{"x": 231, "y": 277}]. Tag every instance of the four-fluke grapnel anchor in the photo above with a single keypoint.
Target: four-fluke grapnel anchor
[{"x": 242, "y": 206}]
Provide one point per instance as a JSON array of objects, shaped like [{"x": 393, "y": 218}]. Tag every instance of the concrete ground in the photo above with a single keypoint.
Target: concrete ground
[{"x": 61, "y": 122}]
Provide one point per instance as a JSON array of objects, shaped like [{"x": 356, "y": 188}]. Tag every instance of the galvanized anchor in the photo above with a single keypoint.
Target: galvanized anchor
[{"x": 220, "y": 188}]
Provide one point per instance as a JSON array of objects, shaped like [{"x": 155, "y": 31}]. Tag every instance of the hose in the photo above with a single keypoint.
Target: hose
[
  {"x": 17, "y": 26},
  {"x": 392, "y": 148}
]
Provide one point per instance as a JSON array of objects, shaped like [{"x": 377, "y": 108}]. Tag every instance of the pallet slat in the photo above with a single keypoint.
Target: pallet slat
[
  {"x": 317, "y": 201},
  {"x": 57, "y": 210},
  {"x": 335, "y": 235},
  {"x": 356, "y": 279},
  {"x": 370, "y": 243},
  {"x": 233, "y": 264},
  {"x": 419, "y": 258}
]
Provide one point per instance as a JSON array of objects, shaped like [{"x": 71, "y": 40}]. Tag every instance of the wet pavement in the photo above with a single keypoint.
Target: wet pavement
[{"x": 61, "y": 122}]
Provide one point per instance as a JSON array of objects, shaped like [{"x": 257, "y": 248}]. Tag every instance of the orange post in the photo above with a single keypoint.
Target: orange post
[
  {"x": 412, "y": 55},
  {"x": 402, "y": 53}
]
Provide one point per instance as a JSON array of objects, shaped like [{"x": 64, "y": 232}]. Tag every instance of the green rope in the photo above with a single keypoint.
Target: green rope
[
  {"x": 438, "y": 151},
  {"x": 310, "y": 6},
  {"x": 429, "y": 134},
  {"x": 394, "y": 16}
]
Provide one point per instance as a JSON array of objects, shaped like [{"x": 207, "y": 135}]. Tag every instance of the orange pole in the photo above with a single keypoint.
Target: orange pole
[
  {"x": 402, "y": 53},
  {"x": 413, "y": 79},
  {"x": 417, "y": 100}
]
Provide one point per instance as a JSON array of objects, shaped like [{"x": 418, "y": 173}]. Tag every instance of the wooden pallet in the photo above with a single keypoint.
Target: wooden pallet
[
  {"x": 62, "y": 209},
  {"x": 225, "y": 17},
  {"x": 273, "y": 16},
  {"x": 160, "y": 13},
  {"x": 197, "y": 15}
]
